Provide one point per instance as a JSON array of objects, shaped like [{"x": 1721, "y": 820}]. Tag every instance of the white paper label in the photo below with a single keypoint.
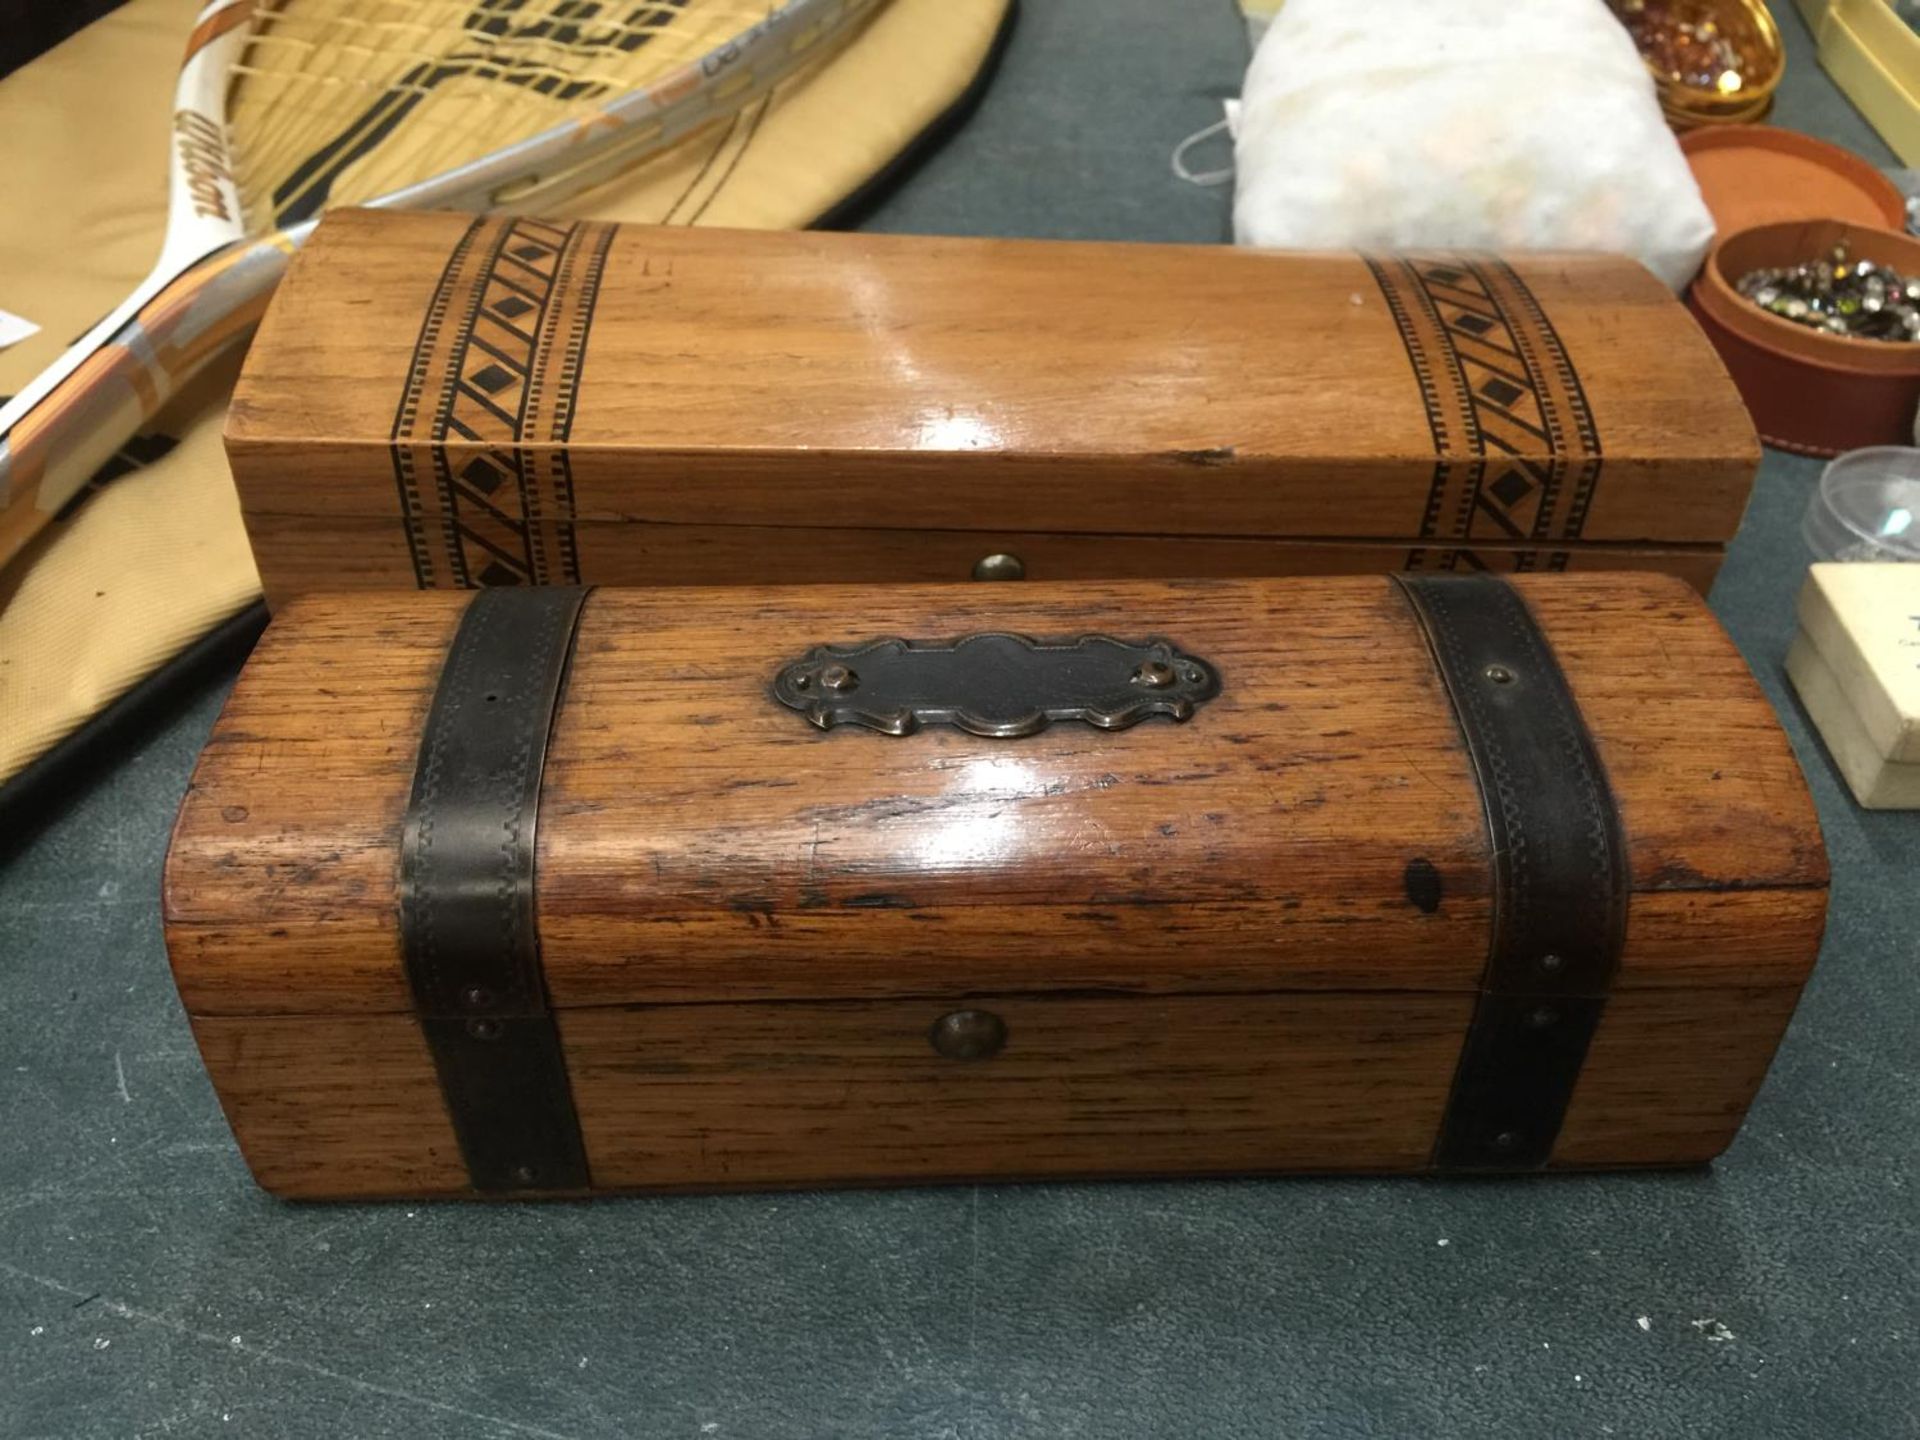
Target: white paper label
[{"x": 15, "y": 328}]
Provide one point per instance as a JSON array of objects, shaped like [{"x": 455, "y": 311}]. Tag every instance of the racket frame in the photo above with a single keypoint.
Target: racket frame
[{"x": 212, "y": 281}]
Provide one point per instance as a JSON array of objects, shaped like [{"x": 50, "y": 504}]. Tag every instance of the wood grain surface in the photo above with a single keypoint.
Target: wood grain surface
[
  {"x": 810, "y": 380},
  {"x": 698, "y": 841},
  {"x": 1671, "y": 1073},
  {"x": 299, "y": 554},
  {"x": 810, "y": 1093}
]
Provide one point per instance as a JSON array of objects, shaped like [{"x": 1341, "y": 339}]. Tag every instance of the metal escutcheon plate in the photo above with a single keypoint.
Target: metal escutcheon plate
[{"x": 996, "y": 685}]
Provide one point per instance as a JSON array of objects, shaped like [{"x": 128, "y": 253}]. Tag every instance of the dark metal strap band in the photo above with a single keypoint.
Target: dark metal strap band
[
  {"x": 467, "y": 922},
  {"x": 1560, "y": 878}
]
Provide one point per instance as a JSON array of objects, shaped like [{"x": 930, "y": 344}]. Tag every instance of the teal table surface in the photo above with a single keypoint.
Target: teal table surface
[{"x": 147, "y": 1288}]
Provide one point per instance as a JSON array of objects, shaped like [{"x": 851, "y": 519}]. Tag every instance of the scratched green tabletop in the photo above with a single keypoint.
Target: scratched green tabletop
[{"x": 147, "y": 1288}]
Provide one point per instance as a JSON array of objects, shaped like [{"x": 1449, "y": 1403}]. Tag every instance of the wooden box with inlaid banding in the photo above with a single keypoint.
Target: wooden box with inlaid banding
[{"x": 439, "y": 402}]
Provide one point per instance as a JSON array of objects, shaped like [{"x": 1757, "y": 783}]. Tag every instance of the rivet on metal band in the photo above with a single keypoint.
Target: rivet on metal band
[
  {"x": 1560, "y": 877},
  {"x": 467, "y": 920}
]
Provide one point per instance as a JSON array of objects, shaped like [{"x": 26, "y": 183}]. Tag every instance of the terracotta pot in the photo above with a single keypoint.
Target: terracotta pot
[
  {"x": 1809, "y": 391},
  {"x": 1761, "y": 174}
]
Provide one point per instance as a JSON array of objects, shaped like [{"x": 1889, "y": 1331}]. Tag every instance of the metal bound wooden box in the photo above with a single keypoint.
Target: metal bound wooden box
[
  {"x": 550, "y": 892},
  {"x": 436, "y": 401}
]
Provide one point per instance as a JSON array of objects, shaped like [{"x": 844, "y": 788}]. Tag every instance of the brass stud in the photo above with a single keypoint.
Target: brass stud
[
  {"x": 968, "y": 1034},
  {"x": 485, "y": 1029},
  {"x": 839, "y": 679},
  {"x": 1154, "y": 674},
  {"x": 999, "y": 567},
  {"x": 1499, "y": 674}
]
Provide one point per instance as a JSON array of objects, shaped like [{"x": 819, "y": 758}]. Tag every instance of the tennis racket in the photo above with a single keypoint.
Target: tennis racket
[{"x": 287, "y": 107}]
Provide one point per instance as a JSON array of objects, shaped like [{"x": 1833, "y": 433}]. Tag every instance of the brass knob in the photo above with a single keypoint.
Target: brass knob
[
  {"x": 969, "y": 1034},
  {"x": 999, "y": 567}
]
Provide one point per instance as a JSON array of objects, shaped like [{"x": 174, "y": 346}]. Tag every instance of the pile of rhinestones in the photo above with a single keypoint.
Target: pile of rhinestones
[
  {"x": 1862, "y": 299},
  {"x": 1685, "y": 47}
]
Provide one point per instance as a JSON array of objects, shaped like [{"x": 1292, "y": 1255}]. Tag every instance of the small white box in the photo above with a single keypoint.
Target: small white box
[{"x": 1856, "y": 665}]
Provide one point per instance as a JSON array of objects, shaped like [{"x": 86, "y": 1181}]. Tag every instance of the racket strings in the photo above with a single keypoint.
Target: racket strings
[
  {"x": 350, "y": 59},
  {"x": 415, "y": 41},
  {"x": 338, "y": 101}
]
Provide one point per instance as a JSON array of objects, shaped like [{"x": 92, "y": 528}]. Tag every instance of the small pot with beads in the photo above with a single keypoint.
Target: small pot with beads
[{"x": 1818, "y": 322}]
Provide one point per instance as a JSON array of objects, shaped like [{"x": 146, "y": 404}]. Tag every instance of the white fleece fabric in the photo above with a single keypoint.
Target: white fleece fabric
[{"x": 1461, "y": 124}]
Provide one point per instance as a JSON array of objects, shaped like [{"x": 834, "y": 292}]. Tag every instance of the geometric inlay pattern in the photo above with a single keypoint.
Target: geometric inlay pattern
[
  {"x": 1517, "y": 455},
  {"x": 480, "y": 435}
]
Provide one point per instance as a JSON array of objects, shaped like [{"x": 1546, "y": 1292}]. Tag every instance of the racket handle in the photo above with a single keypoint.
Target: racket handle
[{"x": 116, "y": 384}]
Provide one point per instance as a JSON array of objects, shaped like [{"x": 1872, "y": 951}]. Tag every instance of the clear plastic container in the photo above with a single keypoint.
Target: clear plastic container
[{"x": 1867, "y": 507}]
